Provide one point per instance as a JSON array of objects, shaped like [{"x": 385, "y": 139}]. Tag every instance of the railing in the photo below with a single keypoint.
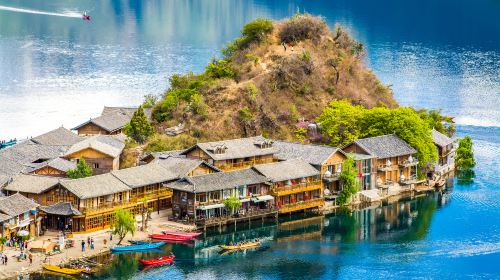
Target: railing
[
  {"x": 384, "y": 167},
  {"x": 386, "y": 184},
  {"x": 246, "y": 215},
  {"x": 108, "y": 206},
  {"x": 302, "y": 187},
  {"x": 311, "y": 203},
  {"x": 332, "y": 177},
  {"x": 244, "y": 164},
  {"x": 410, "y": 180},
  {"x": 407, "y": 163}
]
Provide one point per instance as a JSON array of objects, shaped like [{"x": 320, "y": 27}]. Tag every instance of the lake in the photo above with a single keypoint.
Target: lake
[{"x": 59, "y": 70}]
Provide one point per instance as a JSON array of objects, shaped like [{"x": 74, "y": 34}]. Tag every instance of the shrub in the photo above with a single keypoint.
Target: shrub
[
  {"x": 465, "y": 155},
  {"x": 245, "y": 116},
  {"x": 305, "y": 55},
  {"x": 198, "y": 105},
  {"x": 220, "y": 69},
  {"x": 82, "y": 170},
  {"x": 302, "y": 27},
  {"x": 251, "y": 91},
  {"x": 160, "y": 143},
  {"x": 149, "y": 101},
  {"x": 257, "y": 30}
]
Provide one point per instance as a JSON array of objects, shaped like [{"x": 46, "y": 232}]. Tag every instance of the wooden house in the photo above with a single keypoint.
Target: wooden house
[
  {"x": 17, "y": 213},
  {"x": 327, "y": 160},
  {"x": 393, "y": 160},
  {"x": 446, "y": 153},
  {"x": 200, "y": 199},
  {"x": 101, "y": 152},
  {"x": 110, "y": 122},
  {"x": 234, "y": 154},
  {"x": 296, "y": 185},
  {"x": 56, "y": 167}
]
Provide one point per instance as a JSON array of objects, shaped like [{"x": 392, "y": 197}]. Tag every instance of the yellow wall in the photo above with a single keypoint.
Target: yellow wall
[{"x": 88, "y": 153}]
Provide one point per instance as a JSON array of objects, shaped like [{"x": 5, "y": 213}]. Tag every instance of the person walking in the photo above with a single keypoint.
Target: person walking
[
  {"x": 5, "y": 259},
  {"x": 30, "y": 257},
  {"x": 111, "y": 237},
  {"x": 88, "y": 241},
  {"x": 92, "y": 243},
  {"x": 83, "y": 246}
]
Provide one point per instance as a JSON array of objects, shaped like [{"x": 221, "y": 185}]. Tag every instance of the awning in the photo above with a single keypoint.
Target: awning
[
  {"x": 24, "y": 223},
  {"x": 262, "y": 198},
  {"x": 245, "y": 200},
  {"x": 211, "y": 206}
]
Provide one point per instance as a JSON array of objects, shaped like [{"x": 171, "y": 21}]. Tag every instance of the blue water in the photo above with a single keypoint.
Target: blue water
[{"x": 435, "y": 54}]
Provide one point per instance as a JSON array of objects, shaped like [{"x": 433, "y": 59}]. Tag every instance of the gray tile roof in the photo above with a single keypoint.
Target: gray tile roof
[
  {"x": 34, "y": 184},
  {"x": 236, "y": 148},
  {"x": 4, "y": 217},
  {"x": 313, "y": 154},
  {"x": 113, "y": 118},
  {"x": 16, "y": 204},
  {"x": 440, "y": 139},
  {"x": 57, "y": 163},
  {"x": 286, "y": 170},
  {"x": 62, "y": 209},
  {"x": 107, "y": 144},
  {"x": 385, "y": 146},
  {"x": 163, "y": 155},
  {"x": 218, "y": 181},
  {"x": 94, "y": 186},
  {"x": 57, "y": 137}
]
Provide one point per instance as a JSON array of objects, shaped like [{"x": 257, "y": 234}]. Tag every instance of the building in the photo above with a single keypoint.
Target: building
[
  {"x": 234, "y": 154},
  {"x": 41, "y": 189},
  {"x": 101, "y": 152},
  {"x": 295, "y": 184},
  {"x": 446, "y": 152},
  {"x": 393, "y": 160},
  {"x": 327, "y": 160},
  {"x": 56, "y": 167},
  {"x": 200, "y": 199},
  {"x": 17, "y": 213},
  {"x": 110, "y": 122}
]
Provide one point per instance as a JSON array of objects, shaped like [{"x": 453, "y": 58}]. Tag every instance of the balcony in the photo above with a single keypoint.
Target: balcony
[
  {"x": 408, "y": 181},
  {"x": 302, "y": 187},
  {"x": 306, "y": 204},
  {"x": 384, "y": 167},
  {"x": 248, "y": 215},
  {"x": 408, "y": 163},
  {"x": 331, "y": 177},
  {"x": 244, "y": 164}
]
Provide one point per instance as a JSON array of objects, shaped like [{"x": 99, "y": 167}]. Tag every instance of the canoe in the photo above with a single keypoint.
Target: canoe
[
  {"x": 158, "y": 261},
  {"x": 141, "y": 247},
  {"x": 180, "y": 233},
  {"x": 68, "y": 271},
  {"x": 170, "y": 237},
  {"x": 241, "y": 246}
]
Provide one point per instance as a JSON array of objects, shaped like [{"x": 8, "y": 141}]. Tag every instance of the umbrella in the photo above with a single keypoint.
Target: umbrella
[{"x": 23, "y": 233}]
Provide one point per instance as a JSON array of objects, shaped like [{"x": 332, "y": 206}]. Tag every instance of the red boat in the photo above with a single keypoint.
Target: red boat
[
  {"x": 85, "y": 16},
  {"x": 180, "y": 233},
  {"x": 169, "y": 237},
  {"x": 158, "y": 261}
]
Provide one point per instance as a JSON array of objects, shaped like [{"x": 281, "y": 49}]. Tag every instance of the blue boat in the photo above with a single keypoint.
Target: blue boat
[
  {"x": 135, "y": 248},
  {"x": 5, "y": 144},
  {"x": 138, "y": 242}
]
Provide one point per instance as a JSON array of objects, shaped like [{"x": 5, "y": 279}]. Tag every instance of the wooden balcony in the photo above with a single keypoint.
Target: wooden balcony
[
  {"x": 384, "y": 167},
  {"x": 301, "y": 205},
  {"x": 332, "y": 177},
  {"x": 244, "y": 164},
  {"x": 302, "y": 187},
  {"x": 407, "y": 163}
]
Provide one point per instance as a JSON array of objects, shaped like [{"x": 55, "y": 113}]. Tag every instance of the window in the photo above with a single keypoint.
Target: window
[{"x": 95, "y": 165}]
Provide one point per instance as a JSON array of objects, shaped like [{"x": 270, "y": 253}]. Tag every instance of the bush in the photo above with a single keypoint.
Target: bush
[
  {"x": 149, "y": 101},
  {"x": 198, "y": 105},
  {"x": 302, "y": 27},
  {"x": 245, "y": 116},
  {"x": 220, "y": 69},
  {"x": 251, "y": 91},
  {"x": 160, "y": 143},
  {"x": 257, "y": 30}
]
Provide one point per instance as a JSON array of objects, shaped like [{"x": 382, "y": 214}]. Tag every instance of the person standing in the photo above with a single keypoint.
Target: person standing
[
  {"x": 83, "y": 246},
  {"x": 92, "y": 243},
  {"x": 88, "y": 241},
  {"x": 111, "y": 237},
  {"x": 30, "y": 257},
  {"x": 5, "y": 259}
]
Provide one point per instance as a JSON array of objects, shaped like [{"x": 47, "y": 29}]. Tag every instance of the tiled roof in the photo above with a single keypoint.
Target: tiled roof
[
  {"x": 107, "y": 144},
  {"x": 57, "y": 137},
  {"x": 313, "y": 154},
  {"x": 163, "y": 155},
  {"x": 62, "y": 209},
  {"x": 60, "y": 164},
  {"x": 286, "y": 170},
  {"x": 94, "y": 186},
  {"x": 218, "y": 181},
  {"x": 35, "y": 184},
  {"x": 385, "y": 146},
  {"x": 4, "y": 217},
  {"x": 16, "y": 204},
  {"x": 440, "y": 139},
  {"x": 113, "y": 118},
  {"x": 236, "y": 148}
]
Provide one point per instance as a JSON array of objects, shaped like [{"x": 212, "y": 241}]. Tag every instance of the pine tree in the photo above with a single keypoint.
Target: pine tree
[
  {"x": 82, "y": 170},
  {"x": 464, "y": 160},
  {"x": 139, "y": 127}
]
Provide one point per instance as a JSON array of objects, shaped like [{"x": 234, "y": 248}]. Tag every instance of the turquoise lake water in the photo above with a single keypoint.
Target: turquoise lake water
[{"x": 436, "y": 54}]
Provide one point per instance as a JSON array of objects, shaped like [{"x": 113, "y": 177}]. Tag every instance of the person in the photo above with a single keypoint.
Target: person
[
  {"x": 1, "y": 258},
  {"x": 88, "y": 241},
  {"x": 83, "y": 246},
  {"x": 30, "y": 256},
  {"x": 111, "y": 237},
  {"x": 92, "y": 243},
  {"x": 5, "y": 259},
  {"x": 105, "y": 242},
  {"x": 284, "y": 45}
]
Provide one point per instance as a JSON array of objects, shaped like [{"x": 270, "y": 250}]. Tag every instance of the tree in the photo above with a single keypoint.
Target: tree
[
  {"x": 232, "y": 203},
  {"x": 443, "y": 124},
  {"x": 348, "y": 181},
  {"x": 149, "y": 101},
  {"x": 339, "y": 121},
  {"x": 124, "y": 223},
  {"x": 82, "y": 170},
  {"x": 3, "y": 240},
  {"x": 257, "y": 30},
  {"x": 145, "y": 211},
  {"x": 464, "y": 159},
  {"x": 139, "y": 127}
]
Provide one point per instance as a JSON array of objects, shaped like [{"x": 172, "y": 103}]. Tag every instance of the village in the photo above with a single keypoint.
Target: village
[{"x": 186, "y": 189}]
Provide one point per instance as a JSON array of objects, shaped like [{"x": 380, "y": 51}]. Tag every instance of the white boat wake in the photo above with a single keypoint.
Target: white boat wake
[{"x": 71, "y": 14}]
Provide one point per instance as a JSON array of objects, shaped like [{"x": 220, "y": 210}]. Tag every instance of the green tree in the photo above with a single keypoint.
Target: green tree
[
  {"x": 348, "y": 181},
  {"x": 150, "y": 100},
  {"x": 124, "y": 224},
  {"x": 258, "y": 29},
  {"x": 139, "y": 127},
  {"x": 3, "y": 240},
  {"x": 220, "y": 69},
  {"x": 82, "y": 170},
  {"x": 436, "y": 120},
  {"x": 145, "y": 211},
  {"x": 232, "y": 203},
  {"x": 464, "y": 159},
  {"x": 340, "y": 122}
]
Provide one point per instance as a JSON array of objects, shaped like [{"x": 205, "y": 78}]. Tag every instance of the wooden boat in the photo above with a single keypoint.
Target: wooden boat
[
  {"x": 62, "y": 270},
  {"x": 180, "y": 233},
  {"x": 158, "y": 261},
  {"x": 441, "y": 182},
  {"x": 141, "y": 247},
  {"x": 243, "y": 246},
  {"x": 168, "y": 237}
]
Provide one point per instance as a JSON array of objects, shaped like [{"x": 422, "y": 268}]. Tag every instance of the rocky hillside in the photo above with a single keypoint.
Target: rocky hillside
[{"x": 270, "y": 79}]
